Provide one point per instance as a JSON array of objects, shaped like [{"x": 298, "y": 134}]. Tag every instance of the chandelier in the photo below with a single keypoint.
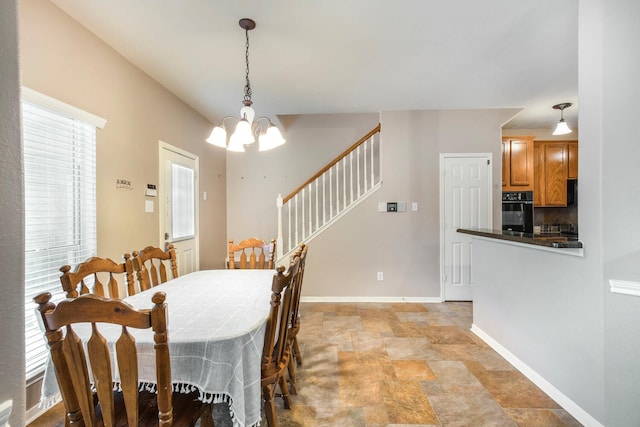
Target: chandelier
[{"x": 247, "y": 127}]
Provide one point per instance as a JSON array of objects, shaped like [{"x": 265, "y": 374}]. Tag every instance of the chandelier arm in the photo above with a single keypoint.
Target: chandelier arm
[
  {"x": 264, "y": 118},
  {"x": 221, "y": 123}
]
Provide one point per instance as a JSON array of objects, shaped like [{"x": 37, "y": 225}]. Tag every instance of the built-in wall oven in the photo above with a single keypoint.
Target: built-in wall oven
[{"x": 517, "y": 211}]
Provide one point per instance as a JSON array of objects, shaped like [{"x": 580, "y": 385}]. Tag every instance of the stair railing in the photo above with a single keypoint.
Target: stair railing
[{"x": 338, "y": 187}]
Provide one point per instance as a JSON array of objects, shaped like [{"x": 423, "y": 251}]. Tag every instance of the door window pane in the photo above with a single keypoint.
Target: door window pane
[{"x": 182, "y": 202}]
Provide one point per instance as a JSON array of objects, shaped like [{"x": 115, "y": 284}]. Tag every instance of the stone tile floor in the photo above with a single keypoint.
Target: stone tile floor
[
  {"x": 379, "y": 364},
  {"x": 408, "y": 364}
]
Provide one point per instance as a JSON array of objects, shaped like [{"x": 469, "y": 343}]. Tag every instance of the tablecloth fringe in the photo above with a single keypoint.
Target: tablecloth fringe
[{"x": 46, "y": 403}]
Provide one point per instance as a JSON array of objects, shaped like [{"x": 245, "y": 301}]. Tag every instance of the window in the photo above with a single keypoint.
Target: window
[{"x": 60, "y": 203}]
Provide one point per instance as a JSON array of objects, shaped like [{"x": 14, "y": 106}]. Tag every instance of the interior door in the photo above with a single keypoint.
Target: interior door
[
  {"x": 465, "y": 203},
  {"x": 178, "y": 200}
]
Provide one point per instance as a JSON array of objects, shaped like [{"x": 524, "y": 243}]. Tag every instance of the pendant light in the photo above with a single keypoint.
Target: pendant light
[
  {"x": 247, "y": 128},
  {"x": 562, "y": 128}
]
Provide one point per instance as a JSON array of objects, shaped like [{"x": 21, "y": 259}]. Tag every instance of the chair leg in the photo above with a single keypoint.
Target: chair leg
[
  {"x": 284, "y": 388},
  {"x": 269, "y": 405},
  {"x": 292, "y": 376},
  {"x": 296, "y": 351},
  {"x": 206, "y": 419}
]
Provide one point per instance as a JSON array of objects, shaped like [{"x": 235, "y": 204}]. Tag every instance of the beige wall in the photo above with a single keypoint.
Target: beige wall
[
  {"x": 62, "y": 59},
  {"x": 344, "y": 259}
]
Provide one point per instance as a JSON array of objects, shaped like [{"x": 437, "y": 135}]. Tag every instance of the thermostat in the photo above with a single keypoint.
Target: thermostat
[{"x": 151, "y": 190}]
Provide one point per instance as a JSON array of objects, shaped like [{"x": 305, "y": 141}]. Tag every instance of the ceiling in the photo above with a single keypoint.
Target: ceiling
[{"x": 355, "y": 56}]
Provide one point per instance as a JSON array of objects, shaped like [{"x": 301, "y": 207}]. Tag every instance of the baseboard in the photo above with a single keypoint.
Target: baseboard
[
  {"x": 569, "y": 405},
  {"x": 372, "y": 299}
]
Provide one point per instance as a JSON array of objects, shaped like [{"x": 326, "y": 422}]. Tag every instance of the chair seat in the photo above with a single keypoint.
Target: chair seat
[{"x": 187, "y": 409}]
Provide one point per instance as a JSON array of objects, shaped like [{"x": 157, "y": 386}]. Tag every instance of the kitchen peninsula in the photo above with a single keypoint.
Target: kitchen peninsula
[{"x": 549, "y": 241}]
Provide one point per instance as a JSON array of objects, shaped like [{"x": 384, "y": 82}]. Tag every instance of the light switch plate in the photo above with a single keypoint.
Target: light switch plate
[{"x": 148, "y": 206}]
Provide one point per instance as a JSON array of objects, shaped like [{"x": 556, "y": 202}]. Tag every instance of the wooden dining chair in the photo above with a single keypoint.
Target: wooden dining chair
[
  {"x": 90, "y": 400},
  {"x": 261, "y": 255},
  {"x": 296, "y": 355},
  {"x": 277, "y": 350},
  {"x": 98, "y": 276},
  {"x": 150, "y": 268}
]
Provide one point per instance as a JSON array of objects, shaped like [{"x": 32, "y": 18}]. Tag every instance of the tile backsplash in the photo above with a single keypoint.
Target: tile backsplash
[{"x": 568, "y": 215}]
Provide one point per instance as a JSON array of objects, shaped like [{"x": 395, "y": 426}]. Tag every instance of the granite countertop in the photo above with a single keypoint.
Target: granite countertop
[{"x": 551, "y": 241}]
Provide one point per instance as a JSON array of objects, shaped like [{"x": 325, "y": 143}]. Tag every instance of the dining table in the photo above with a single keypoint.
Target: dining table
[{"x": 216, "y": 323}]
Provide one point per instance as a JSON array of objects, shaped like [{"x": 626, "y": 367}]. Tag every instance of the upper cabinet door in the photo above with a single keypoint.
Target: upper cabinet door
[
  {"x": 555, "y": 162},
  {"x": 555, "y": 169},
  {"x": 517, "y": 163}
]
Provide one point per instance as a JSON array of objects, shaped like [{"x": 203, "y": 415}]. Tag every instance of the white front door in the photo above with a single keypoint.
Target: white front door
[
  {"x": 465, "y": 202},
  {"x": 178, "y": 200}
]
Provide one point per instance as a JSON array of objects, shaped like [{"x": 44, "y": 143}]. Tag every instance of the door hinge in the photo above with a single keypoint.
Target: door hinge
[{"x": 488, "y": 162}]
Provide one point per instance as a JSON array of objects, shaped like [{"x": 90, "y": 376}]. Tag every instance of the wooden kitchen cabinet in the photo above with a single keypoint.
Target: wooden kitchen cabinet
[
  {"x": 517, "y": 163},
  {"x": 555, "y": 162}
]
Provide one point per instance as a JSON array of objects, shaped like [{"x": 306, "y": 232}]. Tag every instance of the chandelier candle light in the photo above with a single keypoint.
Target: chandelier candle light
[
  {"x": 562, "y": 128},
  {"x": 247, "y": 129}
]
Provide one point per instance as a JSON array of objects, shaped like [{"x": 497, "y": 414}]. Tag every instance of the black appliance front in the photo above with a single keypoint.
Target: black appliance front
[{"x": 517, "y": 211}]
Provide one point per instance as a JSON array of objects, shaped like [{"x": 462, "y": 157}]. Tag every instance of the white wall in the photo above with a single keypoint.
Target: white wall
[
  {"x": 619, "y": 151},
  {"x": 546, "y": 309},
  {"x": 12, "y": 375}
]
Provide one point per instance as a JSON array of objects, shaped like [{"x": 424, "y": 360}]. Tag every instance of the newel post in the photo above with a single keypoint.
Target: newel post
[{"x": 279, "y": 239}]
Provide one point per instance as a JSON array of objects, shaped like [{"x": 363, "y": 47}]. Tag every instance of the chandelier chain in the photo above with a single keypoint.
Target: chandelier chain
[{"x": 247, "y": 86}]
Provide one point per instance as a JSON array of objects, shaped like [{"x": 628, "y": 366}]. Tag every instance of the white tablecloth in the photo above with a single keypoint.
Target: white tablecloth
[{"x": 217, "y": 320}]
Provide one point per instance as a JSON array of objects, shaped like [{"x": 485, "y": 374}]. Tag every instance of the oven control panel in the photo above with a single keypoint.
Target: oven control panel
[{"x": 517, "y": 196}]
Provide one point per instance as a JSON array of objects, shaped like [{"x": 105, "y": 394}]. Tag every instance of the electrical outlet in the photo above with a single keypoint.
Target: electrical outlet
[{"x": 380, "y": 275}]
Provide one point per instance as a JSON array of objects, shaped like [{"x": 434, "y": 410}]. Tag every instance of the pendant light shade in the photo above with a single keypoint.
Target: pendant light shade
[
  {"x": 247, "y": 127},
  {"x": 562, "y": 128},
  {"x": 218, "y": 137},
  {"x": 271, "y": 139},
  {"x": 243, "y": 133}
]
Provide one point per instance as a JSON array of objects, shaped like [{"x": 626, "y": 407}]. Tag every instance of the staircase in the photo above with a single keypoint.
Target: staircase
[{"x": 329, "y": 194}]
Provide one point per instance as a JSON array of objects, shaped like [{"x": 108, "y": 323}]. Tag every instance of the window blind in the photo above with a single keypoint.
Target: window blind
[
  {"x": 183, "y": 224},
  {"x": 60, "y": 207}
]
